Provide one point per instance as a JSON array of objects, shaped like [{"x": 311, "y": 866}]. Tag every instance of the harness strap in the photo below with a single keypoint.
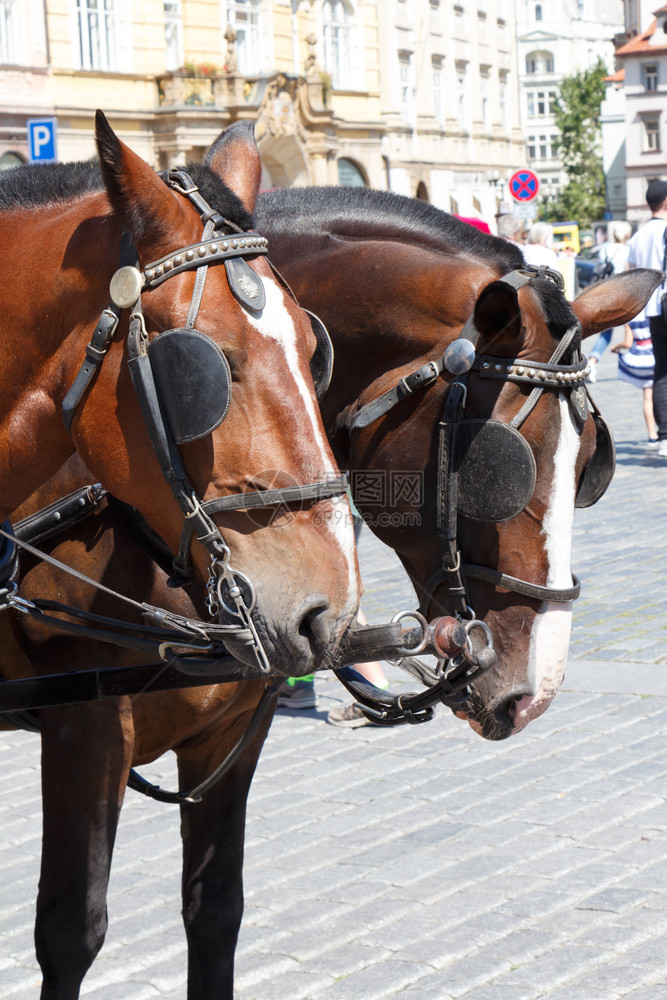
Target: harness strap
[
  {"x": 562, "y": 595},
  {"x": 415, "y": 381},
  {"x": 247, "y": 501},
  {"x": 139, "y": 784},
  {"x": 99, "y": 343}
]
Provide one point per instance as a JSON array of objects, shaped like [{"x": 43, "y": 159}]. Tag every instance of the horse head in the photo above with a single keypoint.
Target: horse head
[
  {"x": 468, "y": 464},
  {"x": 218, "y": 389},
  {"x": 520, "y": 445}
]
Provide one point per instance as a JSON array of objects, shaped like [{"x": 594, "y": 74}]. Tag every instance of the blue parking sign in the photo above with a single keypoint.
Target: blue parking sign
[{"x": 42, "y": 140}]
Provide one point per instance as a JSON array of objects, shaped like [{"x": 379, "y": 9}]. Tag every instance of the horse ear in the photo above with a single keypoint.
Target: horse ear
[
  {"x": 615, "y": 301},
  {"x": 135, "y": 191},
  {"x": 498, "y": 314},
  {"x": 234, "y": 157}
]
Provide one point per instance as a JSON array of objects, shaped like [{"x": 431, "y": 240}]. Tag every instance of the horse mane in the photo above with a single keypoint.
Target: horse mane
[
  {"x": 358, "y": 212},
  {"x": 366, "y": 213},
  {"x": 33, "y": 185}
]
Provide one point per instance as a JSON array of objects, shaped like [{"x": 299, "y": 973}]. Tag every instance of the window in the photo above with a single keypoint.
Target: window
[
  {"x": 541, "y": 102},
  {"x": 97, "y": 23},
  {"x": 539, "y": 62},
  {"x": 7, "y": 32},
  {"x": 173, "y": 34},
  {"x": 438, "y": 100},
  {"x": 337, "y": 21},
  {"x": 650, "y": 75},
  {"x": 538, "y": 11},
  {"x": 406, "y": 85},
  {"x": 504, "y": 103},
  {"x": 243, "y": 15},
  {"x": 486, "y": 103},
  {"x": 349, "y": 174},
  {"x": 542, "y": 147},
  {"x": 9, "y": 160},
  {"x": 461, "y": 97},
  {"x": 652, "y": 135}
]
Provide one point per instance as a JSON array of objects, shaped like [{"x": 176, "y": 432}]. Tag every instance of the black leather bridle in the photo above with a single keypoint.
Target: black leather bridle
[
  {"x": 227, "y": 588},
  {"x": 459, "y": 359}
]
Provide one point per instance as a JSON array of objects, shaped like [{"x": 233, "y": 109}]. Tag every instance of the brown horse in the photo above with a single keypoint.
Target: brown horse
[
  {"x": 65, "y": 224},
  {"x": 396, "y": 281}
]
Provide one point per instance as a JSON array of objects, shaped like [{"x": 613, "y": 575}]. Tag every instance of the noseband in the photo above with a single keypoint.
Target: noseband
[
  {"x": 170, "y": 418},
  {"x": 457, "y": 472}
]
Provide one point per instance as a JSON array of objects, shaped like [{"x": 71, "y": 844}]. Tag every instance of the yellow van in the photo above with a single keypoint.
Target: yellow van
[{"x": 566, "y": 236}]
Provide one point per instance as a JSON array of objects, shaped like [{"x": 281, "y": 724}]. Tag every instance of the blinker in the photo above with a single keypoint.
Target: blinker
[
  {"x": 193, "y": 381},
  {"x": 125, "y": 287},
  {"x": 321, "y": 364},
  {"x": 495, "y": 470}
]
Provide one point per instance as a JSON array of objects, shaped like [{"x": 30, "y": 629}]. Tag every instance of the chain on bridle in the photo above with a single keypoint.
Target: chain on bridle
[{"x": 172, "y": 417}]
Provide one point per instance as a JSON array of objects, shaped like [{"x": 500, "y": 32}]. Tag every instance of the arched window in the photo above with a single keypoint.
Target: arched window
[
  {"x": 349, "y": 174},
  {"x": 422, "y": 192},
  {"x": 538, "y": 11},
  {"x": 10, "y": 159},
  {"x": 539, "y": 62},
  {"x": 243, "y": 15},
  {"x": 337, "y": 25}
]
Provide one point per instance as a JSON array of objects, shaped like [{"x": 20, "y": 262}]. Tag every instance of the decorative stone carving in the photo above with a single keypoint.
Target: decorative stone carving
[
  {"x": 278, "y": 113},
  {"x": 231, "y": 56},
  {"x": 310, "y": 65}
]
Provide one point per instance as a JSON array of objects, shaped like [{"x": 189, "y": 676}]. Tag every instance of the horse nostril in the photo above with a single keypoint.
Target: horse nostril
[{"x": 314, "y": 624}]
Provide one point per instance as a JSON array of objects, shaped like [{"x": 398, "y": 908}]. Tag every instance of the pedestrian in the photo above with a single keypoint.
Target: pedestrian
[
  {"x": 538, "y": 248},
  {"x": 648, "y": 249},
  {"x": 510, "y": 228},
  {"x": 614, "y": 251},
  {"x": 636, "y": 366}
]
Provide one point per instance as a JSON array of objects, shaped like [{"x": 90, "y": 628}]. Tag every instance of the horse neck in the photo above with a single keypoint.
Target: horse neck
[
  {"x": 54, "y": 302},
  {"x": 389, "y": 307}
]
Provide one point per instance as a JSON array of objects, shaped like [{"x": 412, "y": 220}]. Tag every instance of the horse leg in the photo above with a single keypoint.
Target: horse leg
[
  {"x": 86, "y": 756},
  {"x": 213, "y": 833}
]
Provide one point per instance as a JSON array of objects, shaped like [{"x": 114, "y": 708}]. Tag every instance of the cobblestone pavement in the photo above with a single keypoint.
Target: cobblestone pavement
[{"x": 424, "y": 863}]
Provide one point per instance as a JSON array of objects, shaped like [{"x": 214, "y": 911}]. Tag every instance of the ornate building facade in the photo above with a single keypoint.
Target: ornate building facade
[
  {"x": 415, "y": 96},
  {"x": 642, "y": 59}
]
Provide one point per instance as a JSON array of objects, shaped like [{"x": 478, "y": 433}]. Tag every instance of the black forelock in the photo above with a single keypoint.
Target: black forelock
[
  {"x": 219, "y": 196},
  {"x": 556, "y": 308}
]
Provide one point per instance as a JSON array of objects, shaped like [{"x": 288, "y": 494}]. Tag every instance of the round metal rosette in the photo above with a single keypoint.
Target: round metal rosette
[
  {"x": 459, "y": 357},
  {"x": 125, "y": 287}
]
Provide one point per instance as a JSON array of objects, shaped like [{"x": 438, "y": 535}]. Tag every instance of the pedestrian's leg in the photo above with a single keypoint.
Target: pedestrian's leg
[
  {"x": 659, "y": 340},
  {"x": 648, "y": 414}
]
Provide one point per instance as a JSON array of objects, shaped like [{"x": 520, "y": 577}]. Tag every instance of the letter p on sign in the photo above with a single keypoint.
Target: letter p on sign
[{"x": 42, "y": 140}]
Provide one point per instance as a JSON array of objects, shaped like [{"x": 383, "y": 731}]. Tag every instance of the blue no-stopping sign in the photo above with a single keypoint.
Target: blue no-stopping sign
[{"x": 42, "y": 140}]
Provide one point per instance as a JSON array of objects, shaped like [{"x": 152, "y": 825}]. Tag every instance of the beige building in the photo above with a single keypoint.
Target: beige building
[{"x": 418, "y": 96}]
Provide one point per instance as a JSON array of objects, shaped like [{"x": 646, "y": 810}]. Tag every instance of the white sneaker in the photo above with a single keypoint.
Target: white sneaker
[
  {"x": 592, "y": 377},
  {"x": 662, "y": 448}
]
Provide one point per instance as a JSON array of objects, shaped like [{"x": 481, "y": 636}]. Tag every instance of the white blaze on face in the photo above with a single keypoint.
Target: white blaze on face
[
  {"x": 550, "y": 636},
  {"x": 275, "y": 322}
]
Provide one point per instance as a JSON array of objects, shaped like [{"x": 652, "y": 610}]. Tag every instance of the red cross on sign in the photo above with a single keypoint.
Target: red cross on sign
[{"x": 524, "y": 185}]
